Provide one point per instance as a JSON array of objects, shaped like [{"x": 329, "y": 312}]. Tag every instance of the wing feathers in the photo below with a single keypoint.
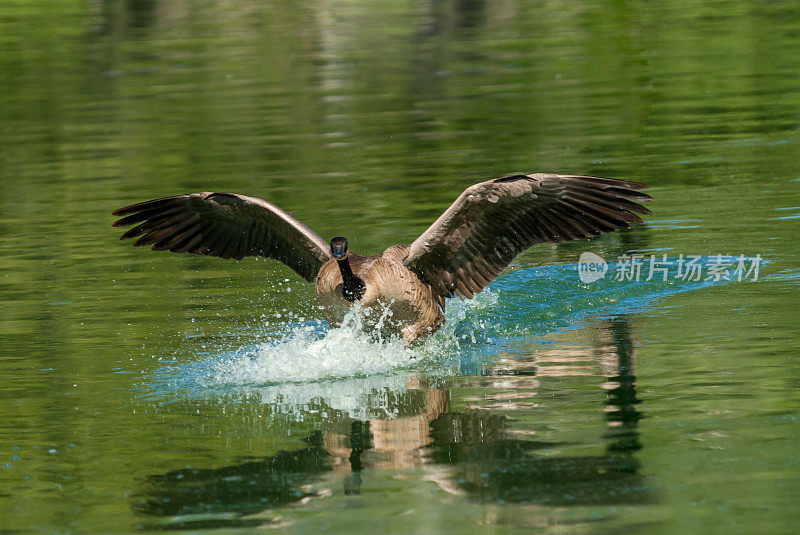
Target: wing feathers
[
  {"x": 189, "y": 245},
  {"x": 493, "y": 221},
  {"x": 224, "y": 225},
  {"x": 157, "y": 204}
]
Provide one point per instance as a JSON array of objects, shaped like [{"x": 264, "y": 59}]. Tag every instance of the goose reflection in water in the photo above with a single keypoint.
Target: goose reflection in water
[{"x": 476, "y": 453}]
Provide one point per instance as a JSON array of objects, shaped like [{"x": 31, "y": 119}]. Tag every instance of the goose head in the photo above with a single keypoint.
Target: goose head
[{"x": 339, "y": 248}]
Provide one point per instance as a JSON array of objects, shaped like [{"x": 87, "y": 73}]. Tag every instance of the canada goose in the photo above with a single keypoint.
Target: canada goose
[{"x": 460, "y": 253}]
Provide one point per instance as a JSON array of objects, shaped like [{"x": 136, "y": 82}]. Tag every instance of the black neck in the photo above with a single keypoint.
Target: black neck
[
  {"x": 353, "y": 288},
  {"x": 347, "y": 271}
]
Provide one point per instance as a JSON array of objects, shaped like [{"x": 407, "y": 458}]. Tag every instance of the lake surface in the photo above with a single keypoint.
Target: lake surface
[{"x": 147, "y": 391}]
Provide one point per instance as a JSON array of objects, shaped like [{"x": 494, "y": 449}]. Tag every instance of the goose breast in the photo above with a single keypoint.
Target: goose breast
[{"x": 395, "y": 297}]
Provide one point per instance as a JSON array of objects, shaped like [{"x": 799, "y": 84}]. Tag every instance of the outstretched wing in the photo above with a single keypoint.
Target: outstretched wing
[
  {"x": 493, "y": 221},
  {"x": 225, "y": 225}
]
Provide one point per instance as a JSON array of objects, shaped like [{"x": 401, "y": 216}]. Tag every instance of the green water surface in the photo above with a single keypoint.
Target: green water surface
[{"x": 146, "y": 391}]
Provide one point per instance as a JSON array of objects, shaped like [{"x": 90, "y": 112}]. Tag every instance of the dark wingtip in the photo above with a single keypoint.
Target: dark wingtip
[
  {"x": 636, "y": 185},
  {"x": 139, "y": 206},
  {"x": 130, "y": 208},
  {"x": 623, "y": 183},
  {"x": 634, "y": 219},
  {"x": 610, "y": 182}
]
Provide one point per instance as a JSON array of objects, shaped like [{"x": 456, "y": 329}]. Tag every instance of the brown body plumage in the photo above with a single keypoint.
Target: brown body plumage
[
  {"x": 395, "y": 296},
  {"x": 403, "y": 288}
]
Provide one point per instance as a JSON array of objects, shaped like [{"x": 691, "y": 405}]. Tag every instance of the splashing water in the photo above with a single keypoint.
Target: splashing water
[
  {"x": 308, "y": 361},
  {"x": 306, "y": 353},
  {"x": 350, "y": 368},
  {"x": 310, "y": 352}
]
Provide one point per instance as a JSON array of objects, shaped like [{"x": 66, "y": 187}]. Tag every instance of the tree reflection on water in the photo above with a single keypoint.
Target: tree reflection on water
[
  {"x": 228, "y": 496},
  {"x": 475, "y": 453},
  {"x": 489, "y": 464}
]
